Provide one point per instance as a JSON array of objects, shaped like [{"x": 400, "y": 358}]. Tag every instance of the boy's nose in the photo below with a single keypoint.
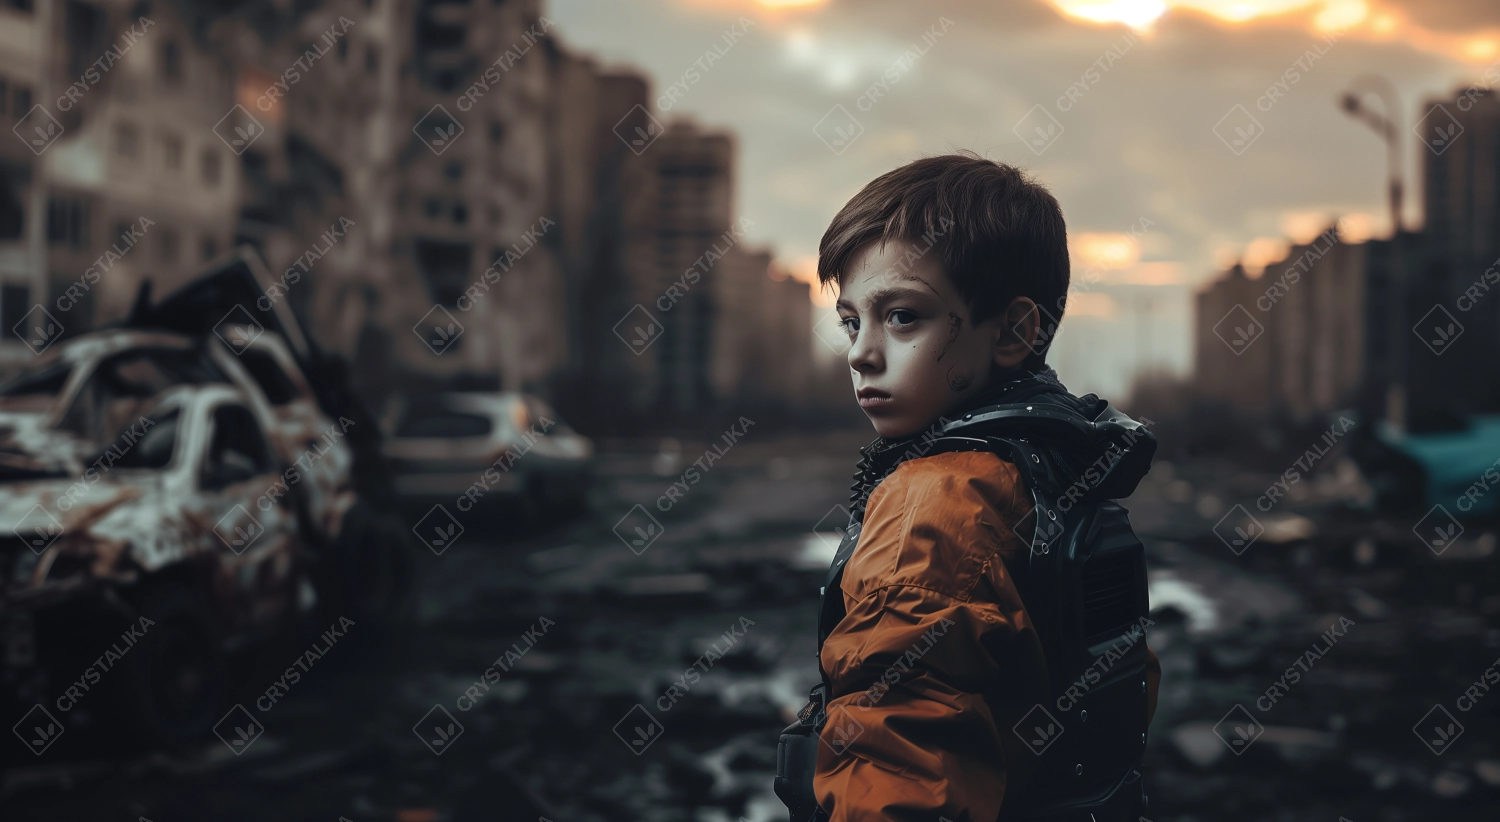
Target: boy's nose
[{"x": 864, "y": 354}]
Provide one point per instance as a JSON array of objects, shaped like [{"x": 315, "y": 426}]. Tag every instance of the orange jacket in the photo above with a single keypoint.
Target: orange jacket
[{"x": 936, "y": 659}]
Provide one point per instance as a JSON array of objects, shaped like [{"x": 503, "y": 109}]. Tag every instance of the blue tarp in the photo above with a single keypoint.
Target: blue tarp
[{"x": 1456, "y": 462}]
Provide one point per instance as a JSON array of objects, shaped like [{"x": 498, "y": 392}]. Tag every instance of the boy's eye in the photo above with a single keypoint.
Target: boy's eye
[
  {"x": 849, "y": 324},
  {"x": 902, "y": 316}
]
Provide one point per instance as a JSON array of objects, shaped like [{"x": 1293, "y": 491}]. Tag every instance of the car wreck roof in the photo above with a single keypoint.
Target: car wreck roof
[{"x": 114, "y": 340}]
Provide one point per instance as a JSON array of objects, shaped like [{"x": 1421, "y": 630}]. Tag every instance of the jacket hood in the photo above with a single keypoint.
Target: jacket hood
[{"x": 1093, "y": 445}]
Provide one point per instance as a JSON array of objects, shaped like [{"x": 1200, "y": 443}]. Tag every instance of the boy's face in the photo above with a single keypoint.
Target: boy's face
[{"x": 916, "y": 351}]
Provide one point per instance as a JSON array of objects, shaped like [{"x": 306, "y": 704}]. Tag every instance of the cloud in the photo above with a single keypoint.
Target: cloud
[{"x": 1136, "y": 139}]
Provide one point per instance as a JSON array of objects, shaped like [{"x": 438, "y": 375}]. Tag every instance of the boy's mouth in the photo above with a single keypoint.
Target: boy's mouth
[{"x": 872, "y": 398}]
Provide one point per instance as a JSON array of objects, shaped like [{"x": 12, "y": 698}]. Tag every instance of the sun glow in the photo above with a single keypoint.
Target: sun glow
[
  {"x": 1105, "y": 250},
  {"x": 1362, "y": 19}
]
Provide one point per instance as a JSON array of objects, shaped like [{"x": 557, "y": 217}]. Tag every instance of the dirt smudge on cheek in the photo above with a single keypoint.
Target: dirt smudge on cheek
[
  {"x": 959, "y": 382},
  {"x": 955, "y": 325}
]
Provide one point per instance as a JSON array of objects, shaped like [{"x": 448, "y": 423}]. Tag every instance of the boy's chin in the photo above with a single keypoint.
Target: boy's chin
[{"x": 892, "y": 429}]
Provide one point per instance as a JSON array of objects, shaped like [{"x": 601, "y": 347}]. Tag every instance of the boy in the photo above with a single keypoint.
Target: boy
[{"x": 988, "y": 596}]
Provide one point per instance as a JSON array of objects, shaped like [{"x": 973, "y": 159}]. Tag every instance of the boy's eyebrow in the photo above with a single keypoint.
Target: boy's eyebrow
[{"x": 882, "y": 295}]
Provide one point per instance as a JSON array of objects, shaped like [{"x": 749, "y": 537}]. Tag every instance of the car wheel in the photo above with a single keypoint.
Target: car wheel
[{"x": 174, "y": 683}]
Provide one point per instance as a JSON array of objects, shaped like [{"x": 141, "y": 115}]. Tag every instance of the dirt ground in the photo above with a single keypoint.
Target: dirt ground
[{"x": 576, "y": 629}]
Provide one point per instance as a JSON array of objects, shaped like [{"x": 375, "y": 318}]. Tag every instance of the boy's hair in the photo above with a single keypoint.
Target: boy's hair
[{"x": 999, "y": 234}]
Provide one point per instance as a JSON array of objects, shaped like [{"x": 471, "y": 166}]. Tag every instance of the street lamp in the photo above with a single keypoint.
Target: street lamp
[{"x": 1384, "y": 124}]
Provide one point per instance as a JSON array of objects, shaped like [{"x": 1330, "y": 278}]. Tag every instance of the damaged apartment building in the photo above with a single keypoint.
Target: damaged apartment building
[{"x": 448, "y": 194}]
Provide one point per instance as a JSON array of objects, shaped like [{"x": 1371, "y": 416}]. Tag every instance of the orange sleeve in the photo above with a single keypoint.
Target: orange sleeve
[{"x": 934, "y": 652}]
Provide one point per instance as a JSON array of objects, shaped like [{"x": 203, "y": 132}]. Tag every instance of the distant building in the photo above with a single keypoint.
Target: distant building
[
  {"x": 1460, "y": 138},
  {"x": 119, "y": 176},
  {"x": 449, "y": 195},
  {"x": 694, "y": 214},
  {"x": 1405, "y": 326},
  {"x": 762, "y": 334}
]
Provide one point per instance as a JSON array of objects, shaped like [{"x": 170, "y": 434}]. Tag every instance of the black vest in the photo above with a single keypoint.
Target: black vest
[{"x": 1084, "y": 588}]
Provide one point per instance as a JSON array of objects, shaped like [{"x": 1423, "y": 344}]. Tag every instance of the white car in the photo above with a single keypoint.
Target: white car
[{"x": 468, "y": 450}]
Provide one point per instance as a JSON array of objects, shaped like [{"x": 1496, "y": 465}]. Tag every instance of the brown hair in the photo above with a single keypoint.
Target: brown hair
[{"x": 999, "y": 234}]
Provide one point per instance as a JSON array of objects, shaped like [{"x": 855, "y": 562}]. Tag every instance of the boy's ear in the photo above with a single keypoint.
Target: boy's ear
[{"x": 1016, "y": 336}]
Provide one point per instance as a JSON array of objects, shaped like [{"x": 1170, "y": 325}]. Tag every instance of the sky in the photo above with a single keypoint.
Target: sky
[{"x": 1117, "y": 106}]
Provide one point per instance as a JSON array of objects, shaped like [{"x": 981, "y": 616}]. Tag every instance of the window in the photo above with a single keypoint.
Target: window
[
  {"x": 210, "y": 167},
  {"x": 4, "y": 97},
  {"x": 171, "y": 151},
  {"x": 167, "y": 245},
  {"x": 460, "y": 214},
  {"x": 372, "y": 59},
  {"x": 127, "y": 140},
  {"x": 268, "y": 374},
  {"x": 12, "y": 209},
  {"x": 344, "y": 49},
  {"x": 237, "y": 451},
  {"x": 171, "y": 61},
  {"x": 23, "y": 100},
  {"x": 151, "y": 449},
  {"x": 454, "y": 171},
  {"x": 36, "y": 387},
  {"x": 437, "y": 423},
  {"x": 67, "y": 221},
  {"x": 84, "y": 26},
  {"x": 13, "y": 304},
  {"x": 121, "y": 387},
  {"x": 497, "y": 131},
  {"x": 210, "y": 248}
]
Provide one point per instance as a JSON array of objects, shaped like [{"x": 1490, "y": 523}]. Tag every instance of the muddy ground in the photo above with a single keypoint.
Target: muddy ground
[{"x": 594, "y": 629}]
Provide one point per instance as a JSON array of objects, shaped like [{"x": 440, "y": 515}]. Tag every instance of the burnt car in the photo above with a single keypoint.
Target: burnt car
[
  {"x": 361, "y": 548},
  {"x": 472, "y": 449},
  {"x": 169, "y": 551},
  {"x": 71, "y": 431},
  {"x": 223, "y": 328}
]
